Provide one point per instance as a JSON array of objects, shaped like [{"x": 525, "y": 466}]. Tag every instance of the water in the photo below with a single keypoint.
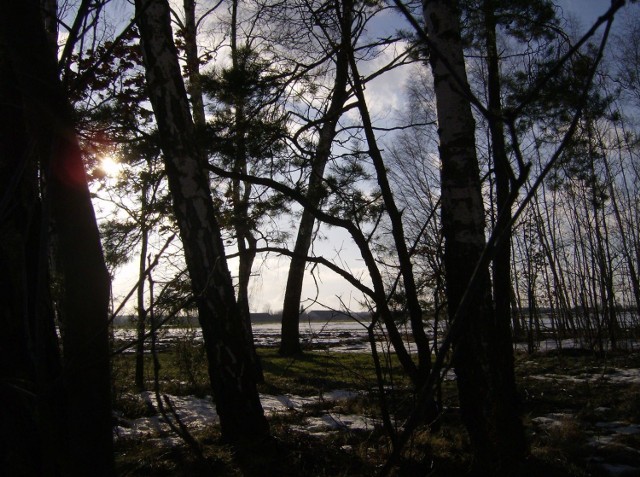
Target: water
[{"x": 335, "y": 336}]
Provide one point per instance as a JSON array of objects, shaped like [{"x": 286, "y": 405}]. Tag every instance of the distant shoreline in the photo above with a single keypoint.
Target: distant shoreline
[{"x": 315, "y": 316}]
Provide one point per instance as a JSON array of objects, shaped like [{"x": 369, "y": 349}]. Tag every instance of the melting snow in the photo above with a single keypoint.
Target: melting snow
[
  {"x": 552, "y": 420},
  {"x": 604, "y": 434},
  {"x": 321, "y": 426},
  {"x": 616, "y": 376},
  {"x": 198, "y": 413},
  {"x": 619, "y": 427},
  {"x": 195, "y": 413}
]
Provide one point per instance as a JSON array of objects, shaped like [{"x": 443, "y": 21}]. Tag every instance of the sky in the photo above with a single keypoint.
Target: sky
[
  {"x": 586, "y": 10},
  {"x": 268, "y": 290},
  {"x": 267, "y": 287}
]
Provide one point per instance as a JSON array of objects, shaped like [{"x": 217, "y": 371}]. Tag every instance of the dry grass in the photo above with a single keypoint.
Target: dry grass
[{"x": 562, "y": 449}]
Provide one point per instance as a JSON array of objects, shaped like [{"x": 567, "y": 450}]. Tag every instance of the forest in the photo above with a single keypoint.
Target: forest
[{"x": 452, "y": 192}]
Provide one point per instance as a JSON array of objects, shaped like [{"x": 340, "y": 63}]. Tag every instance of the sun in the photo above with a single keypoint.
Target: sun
[{"x": 110, "y": 166}]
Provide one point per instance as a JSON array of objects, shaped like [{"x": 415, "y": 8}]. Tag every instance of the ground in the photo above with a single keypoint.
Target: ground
[{"x": 581, "y": 411}]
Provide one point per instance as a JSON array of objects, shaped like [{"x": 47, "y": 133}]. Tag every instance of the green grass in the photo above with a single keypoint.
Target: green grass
[{"x": 319, "y": 371}]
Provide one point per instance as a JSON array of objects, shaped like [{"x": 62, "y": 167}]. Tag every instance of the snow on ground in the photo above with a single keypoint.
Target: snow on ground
[
  {"x": 618, "y": 427},
  {"x": 553, "y": 420},
  {"x": 338, "y": 337},
  {"x": 601, "y": 437},
  {"x": 614, "y": 376},
  {"x": 195, "y": 413},
  {"x": 198, "y": 413},
  {"x": 550, "y": 345},
  {"x": 323, "y": 425},
  {"x": 619, "y": 470}
]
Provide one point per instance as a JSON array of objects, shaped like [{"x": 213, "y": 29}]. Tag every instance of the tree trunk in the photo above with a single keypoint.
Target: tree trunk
[
  {"x": 290, "y": 335},
  {"x": 20, "y": 434},
  {"x": 85, "y": 288},
  {"x": 241, "y": 416},
  {"x": 193, "y": 62},
  {"x": 246, "y": 253},
  {"x": 397, "y": 229},
  {"x": 485, "y": 411},
  {"x": 141, "y": 319},
  {"x": 290, "y": 328},
  {"x": 50, "y": 18},
  {"x": 502, "y": 284}
]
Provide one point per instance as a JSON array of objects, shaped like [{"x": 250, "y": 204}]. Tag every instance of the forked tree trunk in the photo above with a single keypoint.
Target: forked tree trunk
[
  {"x": 290, "y": 334},
  {"x": 502, "y": 337},
  {"x": 241, "y": 416},
  {"x": 488, "y": 417}
]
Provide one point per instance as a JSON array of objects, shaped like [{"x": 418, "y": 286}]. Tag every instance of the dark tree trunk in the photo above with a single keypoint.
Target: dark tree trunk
[
  {"x": 141, "y": 319},
  {"x": 481, "y": 382},
  {"x": 290, "y": 335},
  {"x": 85, "y": 281},
  {"x": 241, "y": 416},
  {"x": 50, "y": 18},
  {"x": 502, "y": 287},
  {"x": 397, "y": 230},
  {"x": 19, "y": 431},
  {"x": 193, "y": 62},
  {"x": 290, "y": 329}
]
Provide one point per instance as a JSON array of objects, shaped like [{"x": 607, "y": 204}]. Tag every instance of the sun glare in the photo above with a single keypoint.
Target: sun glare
[{"x": 110, "y": 166}]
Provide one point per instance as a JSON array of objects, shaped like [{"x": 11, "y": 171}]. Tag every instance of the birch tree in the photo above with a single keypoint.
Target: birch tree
[
  {"x": 229, "y": 355},
  {"x": 494, "y": 427}
]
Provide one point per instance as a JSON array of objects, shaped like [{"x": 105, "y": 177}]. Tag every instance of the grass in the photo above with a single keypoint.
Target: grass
[
  {"x": 320, "y": 371},
  {"x": 560, "y": 450}
]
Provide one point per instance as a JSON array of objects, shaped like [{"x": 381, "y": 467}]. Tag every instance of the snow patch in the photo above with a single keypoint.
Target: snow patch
[
  {"x": 198, "y": 413},
  {"x": 323, "y": 425},
  {"x": 615, "y": 376},
  {"x": 555, "y": 419},
  {"x": 195, "y": 413},
  {"x": 618, "y": 427},
  {"x": 602, "y": 435}
]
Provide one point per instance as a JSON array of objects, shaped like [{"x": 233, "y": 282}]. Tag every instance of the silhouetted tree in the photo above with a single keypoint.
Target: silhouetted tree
[
  {"x": 70, "y": 406},
  {"x": 232, "y": 380},
  {"x": 485, "y": 388}
]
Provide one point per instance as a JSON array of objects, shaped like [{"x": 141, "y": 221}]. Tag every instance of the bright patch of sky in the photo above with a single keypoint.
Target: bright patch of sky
[{"x": 270, "y": 275}]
